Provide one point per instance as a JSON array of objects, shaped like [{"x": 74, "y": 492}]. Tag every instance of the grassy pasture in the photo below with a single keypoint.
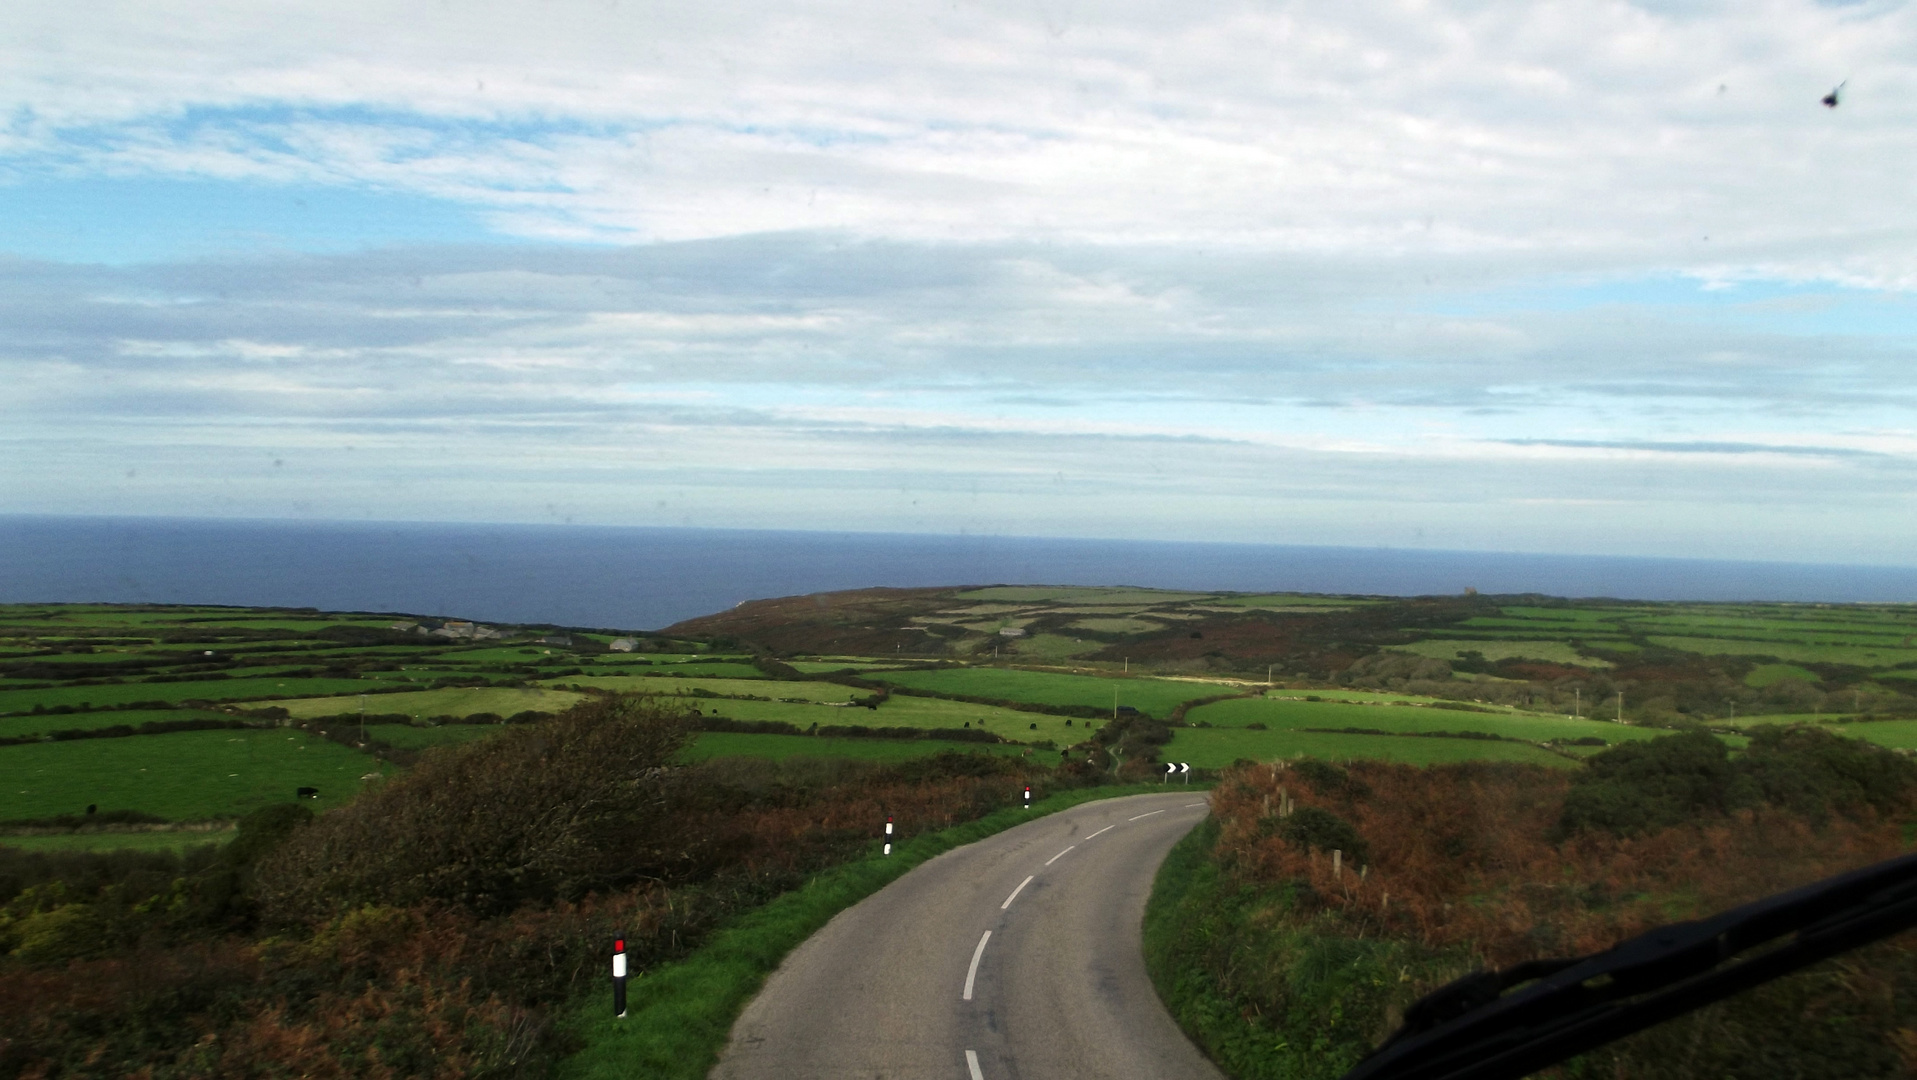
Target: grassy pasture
[
  {"x": 1118, "y": 625},
  {"x": 143, "y": 840},
  {"x": 1214, "y": 748},
  {"x": 801, "y": 713},
  {"x": 1402, "y": 718},
  {"x": 1560, "y": 628},
  {"x": 1157, "y": 697},
  {"x": 1876, "y": 656},
  {"x": 1764, "y": 675},
  {"x": 1077, "y": 594},
  {"x": 903, "y": 711},
  {"x": 188, "y": 775},
  {"x": 452, "y": 701},
  {"x": 1569, "y": 615},
  {"x": 1365, "y": 696},
  {"x": 817, "y": 667},
  {"x": 495, "y": 654},
  {"x": 717, "y": 669},
  {"x": 1556, "y": 652},
  {"x": 717, "y": 744},
  {"x": 1287, "y": 602},
  {"x": 1055, "y": 647},
  {"x": 19, "y": 701},
  {"x": 15, "y": 726},
  {"x": 1896, "y": 734},
  {"x": 1743, "y": 721},
  {"x": 772, "y": 688},
  {"x": 1799, "y": 635}
]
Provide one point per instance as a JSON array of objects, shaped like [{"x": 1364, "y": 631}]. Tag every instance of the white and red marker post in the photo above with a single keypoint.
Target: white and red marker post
[
  {"x": 1028, "y": 796},
  {"x": 619, "y": 976},
  {"x": 888, "y": 834}
]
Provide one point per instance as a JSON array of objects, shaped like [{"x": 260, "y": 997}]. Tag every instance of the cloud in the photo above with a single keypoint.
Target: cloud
[
  {"x": 1582, "y": 276},
  {"x": 1383, "y": 129}
]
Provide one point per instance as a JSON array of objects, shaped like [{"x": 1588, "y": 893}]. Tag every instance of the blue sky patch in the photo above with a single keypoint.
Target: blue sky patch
[{"x": 122, "y": 221}]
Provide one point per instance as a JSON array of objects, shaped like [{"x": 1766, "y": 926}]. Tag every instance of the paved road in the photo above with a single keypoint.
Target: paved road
[{"x": 1015, "y": 958}]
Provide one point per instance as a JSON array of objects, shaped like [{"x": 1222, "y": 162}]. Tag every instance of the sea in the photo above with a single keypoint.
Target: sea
[{"x": 633, "y": 578}]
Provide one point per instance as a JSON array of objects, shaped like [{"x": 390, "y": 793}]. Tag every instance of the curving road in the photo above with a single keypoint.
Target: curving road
[{"x": 1014, "y": 958}]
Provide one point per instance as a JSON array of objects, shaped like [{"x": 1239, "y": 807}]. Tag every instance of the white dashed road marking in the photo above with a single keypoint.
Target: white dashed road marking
[
  {"x": 1015, "y": 892},
  {"x": 972, "y": 973}
]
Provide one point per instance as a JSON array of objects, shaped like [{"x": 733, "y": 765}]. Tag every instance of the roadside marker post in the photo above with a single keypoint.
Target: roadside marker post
[
  {"x": 1184, "y": 769},
  {"x": 619, "y": 977},
  {"x": 888, "y": 834},
  {"x": 1169, "y": 770},
  {"x": 1028, "y": 796}
]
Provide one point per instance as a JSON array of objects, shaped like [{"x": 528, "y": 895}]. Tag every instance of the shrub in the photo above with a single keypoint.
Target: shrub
[
  {"x": 538, "y": 812},
  {"x": 1815, "y": 772},
  {"x": 1315, "y": 829},
  {"x": 1643, "y": 786}
]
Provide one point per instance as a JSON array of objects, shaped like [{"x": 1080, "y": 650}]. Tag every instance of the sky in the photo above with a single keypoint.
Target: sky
[{"x": 1567, "y": 276}]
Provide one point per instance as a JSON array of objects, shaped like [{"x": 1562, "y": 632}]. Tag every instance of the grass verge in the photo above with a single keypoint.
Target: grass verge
[
  {"x": 681, "y": 1013},
  {"x": 1215, "y": 951}
]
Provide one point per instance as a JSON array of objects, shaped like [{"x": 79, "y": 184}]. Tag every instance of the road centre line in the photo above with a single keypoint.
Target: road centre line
[
  {"x": 1189, "y": 805},
  {"x": 1060, "y": 855},
  {"x": 1145, "y": 815},
  {"x": 971, "y": 1063},
  {"x": 972, "y": 973},
  {"x": 1101, "y": 832},
  {"x": 1015, "y": 892}
]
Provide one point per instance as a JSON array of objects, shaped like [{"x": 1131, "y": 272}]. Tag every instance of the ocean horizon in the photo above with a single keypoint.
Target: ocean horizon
[{"x": 645, "y": 578}]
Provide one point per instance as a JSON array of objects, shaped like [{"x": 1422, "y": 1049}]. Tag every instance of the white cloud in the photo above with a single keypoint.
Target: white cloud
[
  {"x": 1345, "y": 273},
  {"x": 1386, "y": 127}
]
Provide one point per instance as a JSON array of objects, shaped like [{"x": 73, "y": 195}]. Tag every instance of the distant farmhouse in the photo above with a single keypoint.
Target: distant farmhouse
[
  {"x": 623, "y": 644},
  {"x": 458, "y": 630}
]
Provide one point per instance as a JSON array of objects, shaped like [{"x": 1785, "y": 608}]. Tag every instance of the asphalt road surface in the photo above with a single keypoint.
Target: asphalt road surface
[{"x": 1014, "y": 958}]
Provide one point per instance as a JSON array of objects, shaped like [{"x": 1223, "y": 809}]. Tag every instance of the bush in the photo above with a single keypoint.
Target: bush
[
  {"x": 1315, "y": 829},
  {"x": 1815, "y": 772},
  {"x": 539, "y": 812},
  {"x": 1645, "y": 786}
]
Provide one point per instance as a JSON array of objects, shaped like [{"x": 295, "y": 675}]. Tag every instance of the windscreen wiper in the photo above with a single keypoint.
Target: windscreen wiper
[{"x": 1473, "y": 1028}]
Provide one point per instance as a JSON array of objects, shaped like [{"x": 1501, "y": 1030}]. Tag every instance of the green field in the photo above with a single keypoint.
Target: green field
[
  {"x": 185, "y": 776},
  {"x": 1157, "y": 697},
  {"x": 717, "y": 744},
  {"x": 452, "y": 701},
  {"x": 1764, "y": 675},
  {"x": 1077, "y": 594},
  {"x": 12, "y": 727},
  {"x": 1288, "y": 602},
  {"x": 1867, "y": 656},
  {"x": 20, "y": 701},
  {"x": 1291, "y": 715},
  {"x": 901, "y": 710},
  {"x": 720, "y": 669},
  {"x": 1054, "y": 647},
  {"x": 768, "y": 688},
  {"x": 146, "y": 840},
  {"x": 821, "y": 667},
  {"x": 1896, "y": 734},
  {"x": 1366, "y": 696},
  {"x": 1214, "y": 748}
]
